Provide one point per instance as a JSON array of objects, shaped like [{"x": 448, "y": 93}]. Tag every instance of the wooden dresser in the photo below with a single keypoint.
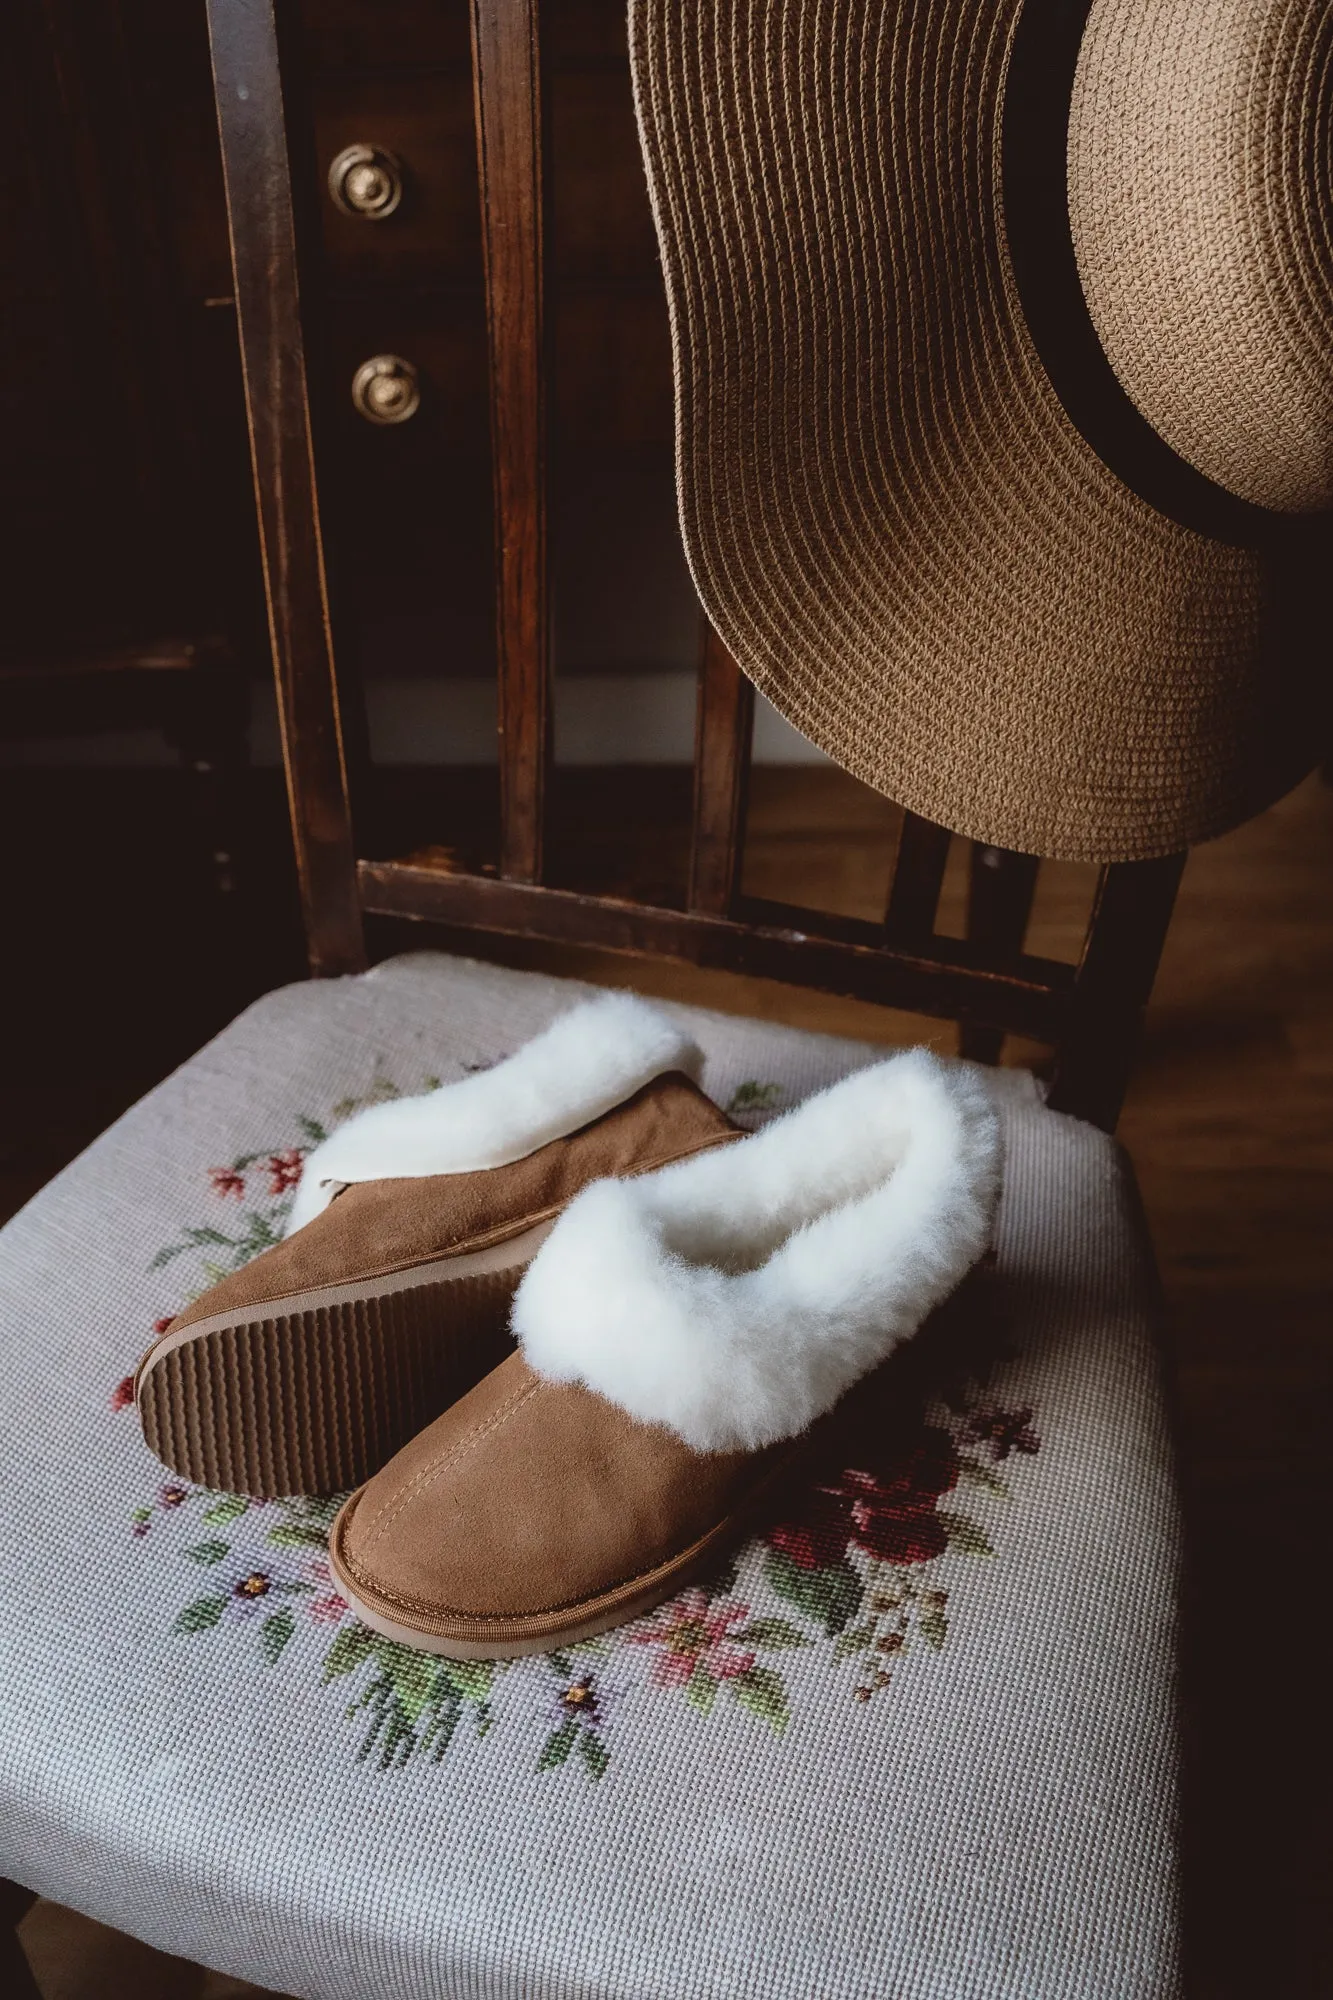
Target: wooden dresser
[{"x": 128, "y": 473}]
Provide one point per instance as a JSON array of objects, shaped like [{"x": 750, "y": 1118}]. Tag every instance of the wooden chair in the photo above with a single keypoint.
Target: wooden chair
[{"x": 1017, "y": 1837}]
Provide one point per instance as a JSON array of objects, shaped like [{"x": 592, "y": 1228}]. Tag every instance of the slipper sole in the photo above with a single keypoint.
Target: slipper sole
[{"x": 312, "y": 1393}]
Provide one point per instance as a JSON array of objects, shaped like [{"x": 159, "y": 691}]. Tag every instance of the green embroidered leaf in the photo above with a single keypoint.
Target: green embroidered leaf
[
  {"x": 275, "y": 1632},
  {"x": 412, "y": 1675},
  {"x": 389, "y": 1727},
  {"x": 775, "y": 1635},
  {"x": 296, "y": 1535},
  {"x": 142, "y": 1514},
  {"x": 853, "y": 1642},
  {"x": 208, "y": 1552},
  {"x": 982, "y": 1475},
  {"x": 752, "y": 1096},
  {"x": 558, "y": 1746},
  {"x": 229, "y": 1508},
  {"x": 259, "y": 1235},
  {"x": 761, "y": 1691},
  {"x": 199, "y": 1616},
  {"x": 594, "y": 1753},
  {"x": 832, "y": 1595},
  {"x": 933, "y": 1627},
  {"x": 965, "y": 1535},
  {"x": 312, "y": 1130},
  {"x": 472, "y": 1680},
  {"x": 439, "y": 1731},
  {"x": 164, "y": 1257},
  {"x": 599, "y": 1648},
  {"x": 196, "y": 1238},
  {"x": 701, "y": 1691},
  {"x": 562, "y": 1665},
  {"x": 349, "y": 1649}
]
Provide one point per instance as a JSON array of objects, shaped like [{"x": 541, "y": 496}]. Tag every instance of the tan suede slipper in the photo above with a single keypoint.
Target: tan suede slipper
[
  {"x": 412, "y": 1226},
  {"x": 682, "y": 1333}
]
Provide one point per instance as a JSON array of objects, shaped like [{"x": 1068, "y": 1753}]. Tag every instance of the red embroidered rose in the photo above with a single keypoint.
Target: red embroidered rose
[
  {"x": 227, "y": 1181},
  {"x": 123, "y": 1393},
  {"x": 890, "y": 1513},
  {"x": 819, "y": 1538}
]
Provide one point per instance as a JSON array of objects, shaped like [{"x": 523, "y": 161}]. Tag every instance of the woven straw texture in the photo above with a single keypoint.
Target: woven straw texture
[
  {"x": 890, "y": 520},
  {"x": 1201, "y": 196},
  {"x": 876, "y": 1759}
]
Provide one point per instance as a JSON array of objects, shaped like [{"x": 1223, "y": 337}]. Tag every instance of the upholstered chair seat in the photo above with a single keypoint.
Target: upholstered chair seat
[{"x": 918, "y": 1739}]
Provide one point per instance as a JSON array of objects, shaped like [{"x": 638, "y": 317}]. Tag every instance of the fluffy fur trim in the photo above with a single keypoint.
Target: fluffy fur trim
[
  {"x": 586, "y": 1063},
  {"x": 735, "y": 1296}
]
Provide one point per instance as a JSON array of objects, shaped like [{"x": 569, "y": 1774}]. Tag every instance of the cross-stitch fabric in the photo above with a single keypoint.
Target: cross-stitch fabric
[{"x": 917, "y": 1739}]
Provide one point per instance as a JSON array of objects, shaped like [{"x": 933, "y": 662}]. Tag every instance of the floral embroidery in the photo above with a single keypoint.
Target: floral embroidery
[
  {"x": 579, "y": 1711},
  {"x": 703, "y": 1645},
  {"x": 753, "y": 1100},
  {"x": 1003, "y": 1430},
  {"x": 856, "y": 1575}
]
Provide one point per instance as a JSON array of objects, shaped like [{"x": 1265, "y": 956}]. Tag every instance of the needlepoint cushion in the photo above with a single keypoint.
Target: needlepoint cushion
[{"x": 917, "y": 1738}]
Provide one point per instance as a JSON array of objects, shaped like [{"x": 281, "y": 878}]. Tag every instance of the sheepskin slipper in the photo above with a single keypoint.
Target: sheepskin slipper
[
  {"x": 681, "y": 1334},
  {"x": 411, "y": 1227}
]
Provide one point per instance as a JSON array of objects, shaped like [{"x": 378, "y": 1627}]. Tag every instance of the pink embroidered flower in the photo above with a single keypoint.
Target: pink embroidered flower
[
  {"x": 284, "y": 1170},
  {"x": 123, "y": 1393},
  {"x": 695, "y": 1637},
  {"x": 226, "y": 1181}
]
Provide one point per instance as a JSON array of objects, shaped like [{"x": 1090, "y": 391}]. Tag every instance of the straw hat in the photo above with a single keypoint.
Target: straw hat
[{"x": 1004, "y": 368}]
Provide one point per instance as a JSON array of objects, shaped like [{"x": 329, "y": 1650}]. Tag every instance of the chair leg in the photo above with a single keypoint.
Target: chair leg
[
  {"x": 16, "y": 1980},
  {"x": 999, "y": 903}
]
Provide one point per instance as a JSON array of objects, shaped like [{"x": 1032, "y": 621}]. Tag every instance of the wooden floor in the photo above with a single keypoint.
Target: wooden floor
[{"x": 1230, "y": 1124}]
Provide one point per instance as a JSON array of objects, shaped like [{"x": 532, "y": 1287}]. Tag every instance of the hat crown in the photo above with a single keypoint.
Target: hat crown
[{"x": 1201, "y": 203}]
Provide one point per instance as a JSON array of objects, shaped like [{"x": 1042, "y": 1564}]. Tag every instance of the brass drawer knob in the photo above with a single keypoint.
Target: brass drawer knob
[
  {"x": 385, "y": 389},
  {"x": 366, "y": 181}
]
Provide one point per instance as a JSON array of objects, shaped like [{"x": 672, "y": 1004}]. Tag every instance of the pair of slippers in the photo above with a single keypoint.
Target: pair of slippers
[{"x": 688, "y": 1301}]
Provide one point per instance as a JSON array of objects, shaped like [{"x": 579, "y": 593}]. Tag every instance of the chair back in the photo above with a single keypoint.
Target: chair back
[{"x": 1088, "y": 1012}]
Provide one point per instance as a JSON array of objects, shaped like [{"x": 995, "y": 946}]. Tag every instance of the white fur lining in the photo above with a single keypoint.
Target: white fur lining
[
  {"x": 586, "y": 1063},
  {"x": 734, "y": 1296}
]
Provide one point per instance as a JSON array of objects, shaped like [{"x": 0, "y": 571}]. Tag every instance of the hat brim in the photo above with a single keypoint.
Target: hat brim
[{"x": 890, "y": 519}]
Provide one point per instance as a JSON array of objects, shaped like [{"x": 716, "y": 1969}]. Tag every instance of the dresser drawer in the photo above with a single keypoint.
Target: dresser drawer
[
  {"x": 421, "y": 124},
  {"x": 386, "y": 34}
]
